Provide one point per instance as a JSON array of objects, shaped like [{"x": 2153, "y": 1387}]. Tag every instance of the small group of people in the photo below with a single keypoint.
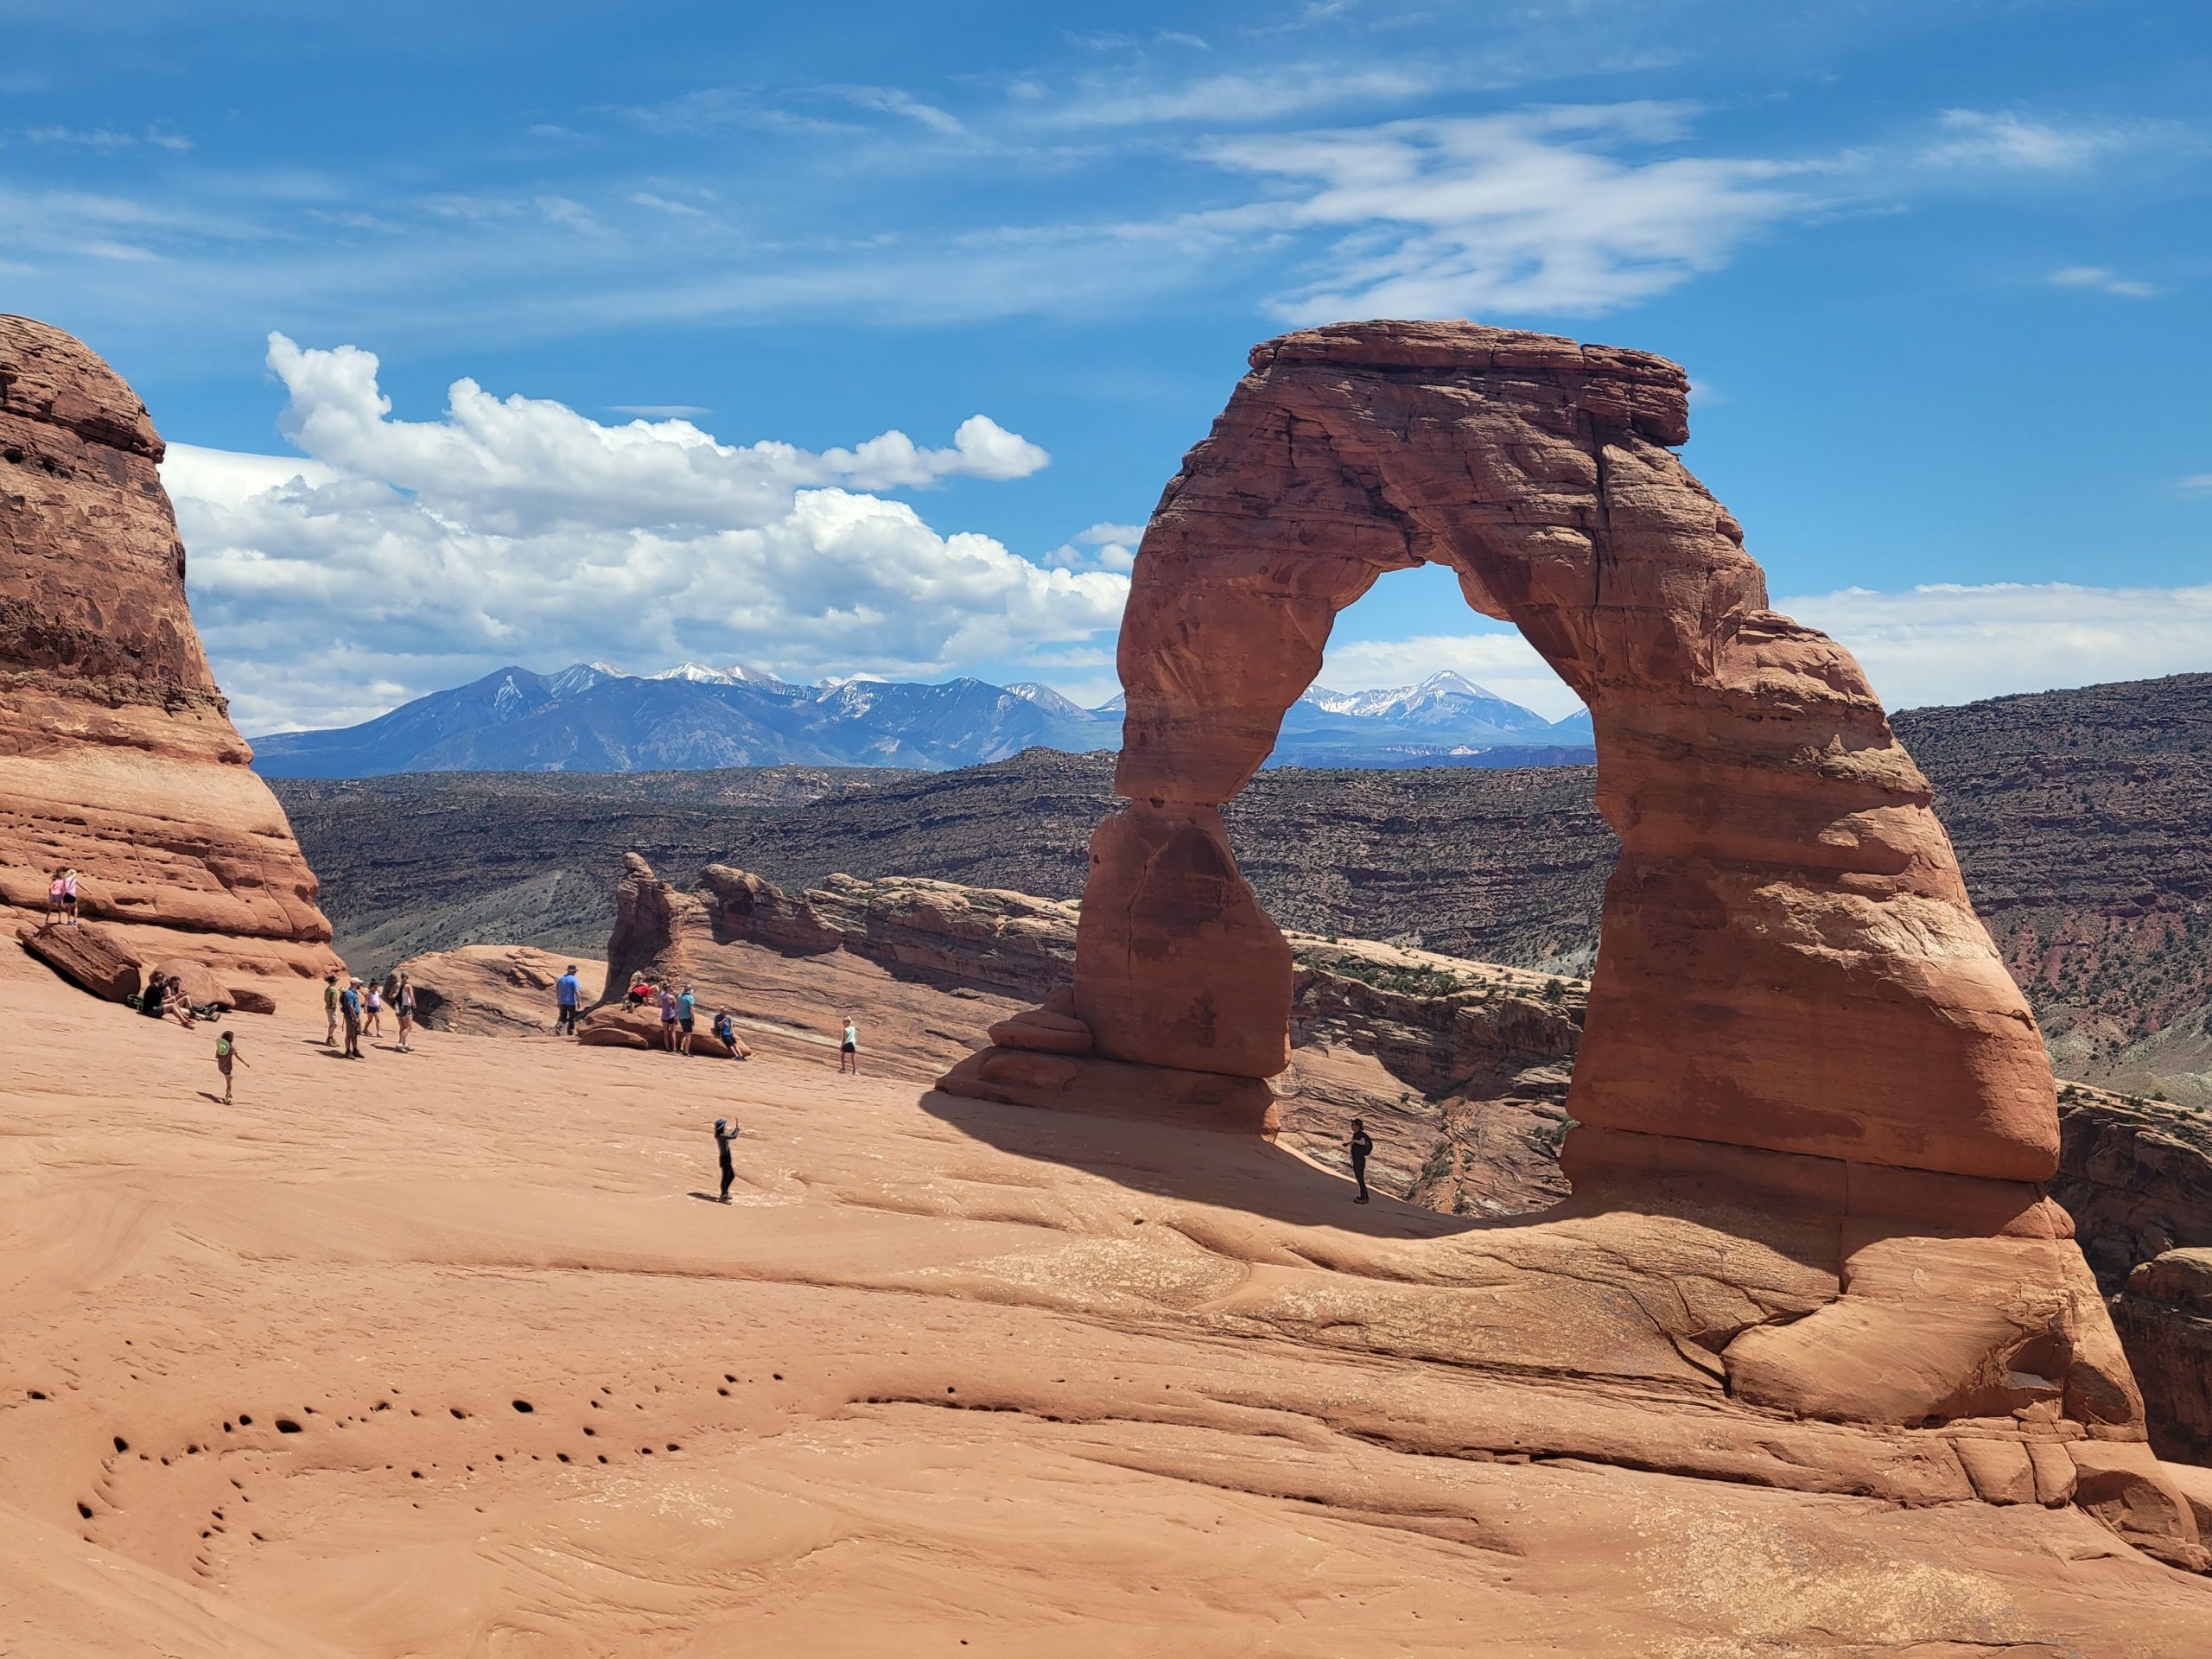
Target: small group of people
[
  {"x": 61, "y": 897},
  {"x": 679, "y": 1014},
  {"x": 163, "y": 998},
  {"x": 359, "y": 1008}
]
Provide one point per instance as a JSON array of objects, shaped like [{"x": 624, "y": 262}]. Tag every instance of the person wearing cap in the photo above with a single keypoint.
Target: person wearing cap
[
  {"x": 566, "y": 992},
  {"x": 349, "y": 1007},
  {"x": 725, "y": 1132}
]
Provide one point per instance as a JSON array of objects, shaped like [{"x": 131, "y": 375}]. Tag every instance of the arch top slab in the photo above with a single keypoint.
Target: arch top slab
[{"x": 1789, "y": 959}]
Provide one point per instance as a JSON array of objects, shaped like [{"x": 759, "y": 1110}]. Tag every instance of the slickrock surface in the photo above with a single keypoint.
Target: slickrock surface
[
  {"x": 334, "y": 1370},
  {"x": 117, "y": 754},
  {"x": 1459, "y": 1067}
]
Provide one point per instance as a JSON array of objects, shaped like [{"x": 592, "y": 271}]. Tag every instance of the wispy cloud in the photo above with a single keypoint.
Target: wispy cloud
[
  {"x": 2104, "y": 281},
  {"x": 2000, "y": 139},
  {"x": 106, "y": 140},
  {"x": 890, "y": 100},
  {"x": 1261, "y": 95},
  {"x": 1536, "y": 211}
]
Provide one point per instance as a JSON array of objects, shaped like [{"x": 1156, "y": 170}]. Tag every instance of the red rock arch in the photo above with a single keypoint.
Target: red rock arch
[{"x": 1788, "y": 959}]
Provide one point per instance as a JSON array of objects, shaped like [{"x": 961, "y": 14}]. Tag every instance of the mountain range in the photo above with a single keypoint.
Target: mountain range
[{"x": 594, "y": 717}]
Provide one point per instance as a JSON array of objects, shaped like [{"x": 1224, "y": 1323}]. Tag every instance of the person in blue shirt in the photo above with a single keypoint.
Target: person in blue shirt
[
  {"x": 349, "y": 1006},
  {"x": 687, "y": 1009},
  {"x": 567, "y": 992}
]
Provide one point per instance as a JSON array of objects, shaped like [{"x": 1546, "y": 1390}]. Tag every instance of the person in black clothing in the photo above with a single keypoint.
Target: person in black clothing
[
  {"x": 1361, "y": 1146},
  {"x": 725, "y": 1132}
]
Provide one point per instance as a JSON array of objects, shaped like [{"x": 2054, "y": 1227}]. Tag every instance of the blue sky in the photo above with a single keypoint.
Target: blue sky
[{"x": 1938, "y": 271}]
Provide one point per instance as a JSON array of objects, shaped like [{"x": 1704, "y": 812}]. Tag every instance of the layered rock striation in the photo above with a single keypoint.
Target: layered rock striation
[
  {"x": 117, "y": 757},
  {"x": 1795, "y": 1010}
]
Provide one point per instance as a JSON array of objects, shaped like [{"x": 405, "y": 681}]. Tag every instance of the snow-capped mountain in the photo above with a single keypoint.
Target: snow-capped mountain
[{"x": 594, "y": 717}]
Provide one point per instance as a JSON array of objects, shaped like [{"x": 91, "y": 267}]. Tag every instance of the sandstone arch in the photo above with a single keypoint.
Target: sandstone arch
[{"x": 1789, "y": 959}]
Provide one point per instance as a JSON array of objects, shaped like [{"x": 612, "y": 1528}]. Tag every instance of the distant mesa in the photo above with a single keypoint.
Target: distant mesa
[
  {"x": 595, "y": 717},
  {"x": 119, "y": 757}
]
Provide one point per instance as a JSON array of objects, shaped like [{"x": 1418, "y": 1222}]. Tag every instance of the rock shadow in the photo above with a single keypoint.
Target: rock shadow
[{"x": 1155, "y": 1157}]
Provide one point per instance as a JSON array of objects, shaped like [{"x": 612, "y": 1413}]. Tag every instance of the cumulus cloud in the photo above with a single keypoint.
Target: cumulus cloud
[
  {"x": 395, "y": 556},
  {"x": 1525, "y": 211},
  {"x": 1102, "y": 547}
]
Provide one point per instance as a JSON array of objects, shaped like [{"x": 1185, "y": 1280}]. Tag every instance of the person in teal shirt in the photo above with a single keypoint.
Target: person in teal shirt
[{"x": 686, "y": 1010}]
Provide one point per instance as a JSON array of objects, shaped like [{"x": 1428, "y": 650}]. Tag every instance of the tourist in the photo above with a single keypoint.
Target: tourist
[
  {"x": 153, "y": 1002},
  {"x": 725, "y": 1132},
  {"x": 641, "y": 990},
  {"x": 55, "y": 887},
  {"x": 62, "y": 896},
  {"x": 667, "y": 1020},
  {"x": 330, "y": 1010},
  {"x": 725, "y": 1031},
  {"x": 849, "y": 1057},
  {"x": 403, "y": 1004},
  {"x": 567, "y": 992},
  {"x": 687, "y": 1009},
  {"x": 227, "y": 1055},
  {"x": 372, "y": 1010},
  {"x": 349, "y": 1009},
  {"x": 1361, "y": 1146},
  {"x": 180, "y": 1007}
]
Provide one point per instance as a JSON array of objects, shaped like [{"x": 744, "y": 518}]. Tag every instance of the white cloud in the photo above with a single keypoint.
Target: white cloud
[
  {"x": 1986, "y": 138},
  {"x": 2105, "y": 282},
  {"x": 1941, "y": 643},
  {"x": 1525, "y": 211},
  {"x": 1263, "y": 96},
  {"x": 2196, "y": 481},
  {"x": 1952, "y": 643},
  {"x": 890, "y": 100},
  {"x": 398, "y": 556},
  {"x": 1102, "y": 547}
]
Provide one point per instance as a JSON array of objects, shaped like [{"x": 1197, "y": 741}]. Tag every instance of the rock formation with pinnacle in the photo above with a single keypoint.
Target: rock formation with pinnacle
[
  {"x": 1794, "y": 1011},
  {"x": 117, "y": 757}
]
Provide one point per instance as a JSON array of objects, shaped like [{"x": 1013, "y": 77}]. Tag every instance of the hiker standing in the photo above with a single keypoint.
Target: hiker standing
[
  {"x": 687, "y": 1011},
  {"x": 567, "y": 992},
  {"x": 667, "y": 1020},
  {"x": 349, "y": 1009},
  {"x": 227, "y": 1056},
  {"x": 725, "y": 1132},
  {"x": 330, "y": 1010},
  {"x": 373, "y": 1006},
  {"x": 1361, "y": 1146},
  {"x": 403, "y": 1004},
  {"x": 62, "y": 896},
  {"x": 848, "y": 1056}
]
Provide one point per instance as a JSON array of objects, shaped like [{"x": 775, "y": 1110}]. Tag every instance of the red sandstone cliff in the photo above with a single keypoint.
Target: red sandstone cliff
[{"x": 117, "y": 751}]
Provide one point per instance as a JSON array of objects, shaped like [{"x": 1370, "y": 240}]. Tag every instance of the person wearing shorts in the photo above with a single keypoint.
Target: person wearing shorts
[
  {"x": 668, "y": 1032},
  {"x": 349, "y": 1008},
  {"x": 687, "y": 1012},
  {"x": 403, "y": 1004},
  {"x": 848, "y": 1055},
  {"x": 568, "y": 993},
  {"x": 330, "y": 998}
]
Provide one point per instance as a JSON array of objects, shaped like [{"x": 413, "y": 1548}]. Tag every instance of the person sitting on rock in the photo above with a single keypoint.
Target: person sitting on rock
[
  {"x": 153, "y": 1003},
  {"x": 180, "y": 1006},
  {"x": 641, "y": 991}
]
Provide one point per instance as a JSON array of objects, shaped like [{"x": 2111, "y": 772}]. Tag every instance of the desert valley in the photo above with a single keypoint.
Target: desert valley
[{"x": 1740, "y": 1278}]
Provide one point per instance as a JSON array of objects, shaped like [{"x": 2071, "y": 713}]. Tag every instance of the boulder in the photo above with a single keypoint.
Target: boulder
[
  {"x": 196, "y": 980},
  {"x": 88, "y": 956},
  {"x": 615, "y": 1028},
  {"x": 245, "y": 1000},
  {"x": 117, "y": 751}
]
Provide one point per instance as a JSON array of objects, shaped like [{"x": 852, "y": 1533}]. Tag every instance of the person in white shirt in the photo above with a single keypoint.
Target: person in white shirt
[{"x": 849, "y": 1057}]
